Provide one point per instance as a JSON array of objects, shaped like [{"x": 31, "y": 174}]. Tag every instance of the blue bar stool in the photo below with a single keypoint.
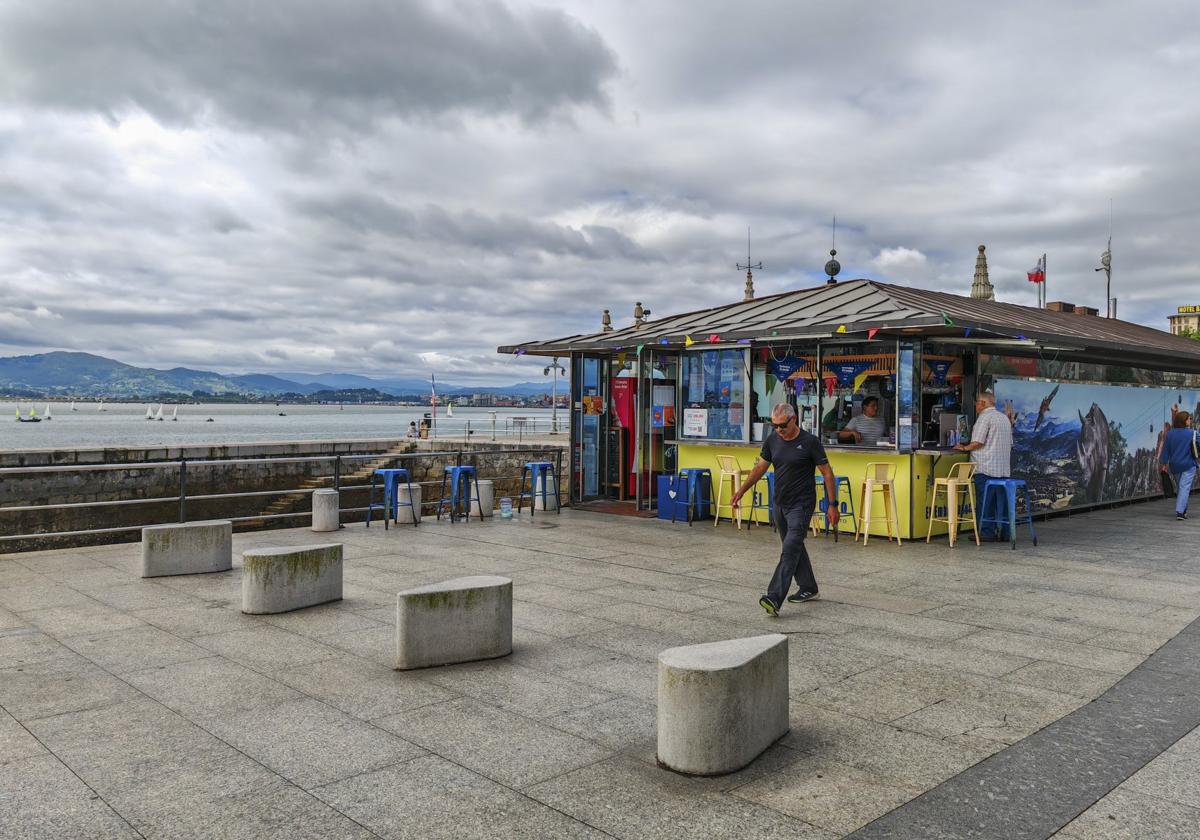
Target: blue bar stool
[
  {"x": 677, "y": 498},
  {"x": 845, "y": 505},
  {"x": 391, "y": 502},
  {"x": 757, "y": 502},
  {"x": 536, "y": 470},
  {"x": 698, "y": 501},
  {"x": 998, "y": 494},
  {"x": 460, "y": 491}
]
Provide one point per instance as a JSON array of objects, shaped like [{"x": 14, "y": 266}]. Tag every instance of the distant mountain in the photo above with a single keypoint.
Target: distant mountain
[{"x": 86, "y": 375}]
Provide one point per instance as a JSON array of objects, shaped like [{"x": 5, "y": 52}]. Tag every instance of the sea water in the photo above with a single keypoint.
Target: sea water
[{"x": 124, "y": 424}]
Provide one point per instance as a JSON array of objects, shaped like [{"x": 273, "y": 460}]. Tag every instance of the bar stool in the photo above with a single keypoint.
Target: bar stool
[
  {"x": 999, "y": 493},
  {"x": 847, "y": 506},
  {"x": 959, "y": 481},
  {"x": 677, "y": 486},
  {"x": 543, "y": 471},
  {"x": 460, "y": 490},
  {"x": 757, "y": 500},
  {"x": 879, "y": 478},
  {"x": 698, "y": 501},
  {"x": 391, "y": 503},
  {"x": 732, "y": 472}
]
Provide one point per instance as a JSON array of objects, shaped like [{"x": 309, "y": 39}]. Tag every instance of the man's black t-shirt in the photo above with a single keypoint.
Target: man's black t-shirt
[{"x": 795, "y": 463}]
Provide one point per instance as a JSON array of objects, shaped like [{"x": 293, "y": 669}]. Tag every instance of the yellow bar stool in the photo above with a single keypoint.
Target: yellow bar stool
[
  {"x": 959, "y": 481},
  {"x": 729, "y": 470},
  {"x": 879, "y": 478}
]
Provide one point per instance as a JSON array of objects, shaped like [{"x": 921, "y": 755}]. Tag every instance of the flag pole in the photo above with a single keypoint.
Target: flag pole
[{"x": 1044, "y": 281}]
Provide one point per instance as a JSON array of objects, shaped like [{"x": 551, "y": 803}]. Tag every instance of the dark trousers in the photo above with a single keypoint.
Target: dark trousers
[
  {"x": 793, "y": 559},
  {"x": 999, "y": 508}
]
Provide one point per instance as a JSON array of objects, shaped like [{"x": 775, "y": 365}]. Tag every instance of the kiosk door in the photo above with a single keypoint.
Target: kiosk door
[{"x": 589, "y": 427}]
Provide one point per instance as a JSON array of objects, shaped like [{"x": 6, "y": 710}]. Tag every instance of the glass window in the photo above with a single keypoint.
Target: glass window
[
  {"x": 783, "y": 375},
  {"x": 858, "y": 393},
  {"x": 714, "y": 385}
]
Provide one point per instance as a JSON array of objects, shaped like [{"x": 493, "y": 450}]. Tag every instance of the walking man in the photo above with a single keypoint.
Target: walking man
[{"x": 796, "y": 455}]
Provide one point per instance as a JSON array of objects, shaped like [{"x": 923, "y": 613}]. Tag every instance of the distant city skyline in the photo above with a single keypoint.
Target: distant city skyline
[{"x": 185, "y": 185}]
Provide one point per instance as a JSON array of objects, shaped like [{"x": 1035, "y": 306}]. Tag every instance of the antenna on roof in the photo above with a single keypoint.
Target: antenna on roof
[
  {"x": 749, "y": 276},
  {"x": 833, "y": 266}
]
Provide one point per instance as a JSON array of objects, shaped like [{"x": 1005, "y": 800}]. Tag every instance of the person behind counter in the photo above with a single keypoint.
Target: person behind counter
[
  {"x": 990, "y": 448},
  {"x": 867, "y": 427}
]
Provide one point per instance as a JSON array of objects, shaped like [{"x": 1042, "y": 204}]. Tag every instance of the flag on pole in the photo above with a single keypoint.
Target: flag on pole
[{"x": 1038, "y": 274}]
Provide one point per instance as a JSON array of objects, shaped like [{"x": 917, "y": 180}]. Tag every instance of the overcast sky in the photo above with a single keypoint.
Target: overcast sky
[{"x": 388, "y": 187}]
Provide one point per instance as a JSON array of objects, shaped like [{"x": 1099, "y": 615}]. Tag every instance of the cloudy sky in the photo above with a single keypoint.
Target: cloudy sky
[{"x": 390, "y": 187}]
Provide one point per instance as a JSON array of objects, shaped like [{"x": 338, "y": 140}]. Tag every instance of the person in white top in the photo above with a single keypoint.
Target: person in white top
[{"x": 990, "y": 448}]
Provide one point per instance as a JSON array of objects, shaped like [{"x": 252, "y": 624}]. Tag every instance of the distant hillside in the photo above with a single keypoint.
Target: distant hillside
[{"x": 86, "y": 375}]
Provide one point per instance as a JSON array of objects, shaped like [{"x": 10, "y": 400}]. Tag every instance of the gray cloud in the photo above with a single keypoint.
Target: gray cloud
[{"x": 398, "y": 189}]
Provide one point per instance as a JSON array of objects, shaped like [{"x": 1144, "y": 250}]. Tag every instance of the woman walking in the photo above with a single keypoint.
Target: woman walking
[{"x": 1179, "y": 453}]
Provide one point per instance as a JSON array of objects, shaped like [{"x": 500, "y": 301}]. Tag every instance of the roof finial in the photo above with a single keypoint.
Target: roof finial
[
  {"x": 749, "y": 295},
  {"x": 605, "y": 322},
  {"x": 981, "y": 287},
  {"x": 833, "y": 266},
  {"x": 639, "y": 315}
]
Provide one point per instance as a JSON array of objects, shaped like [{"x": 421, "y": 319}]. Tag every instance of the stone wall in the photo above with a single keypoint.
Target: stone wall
[{"x": 85, "y": 477}]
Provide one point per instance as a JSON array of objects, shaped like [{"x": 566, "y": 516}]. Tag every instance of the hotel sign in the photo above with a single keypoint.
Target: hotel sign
[{"x": 1189, "y": 310}]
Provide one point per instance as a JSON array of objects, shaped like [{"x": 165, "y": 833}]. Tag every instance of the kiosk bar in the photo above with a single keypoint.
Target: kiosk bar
[{"x": 882, "y": 373}]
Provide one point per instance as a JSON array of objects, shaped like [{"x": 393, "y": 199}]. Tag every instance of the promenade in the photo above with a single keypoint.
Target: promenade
[{"x": 936, "y": 692}]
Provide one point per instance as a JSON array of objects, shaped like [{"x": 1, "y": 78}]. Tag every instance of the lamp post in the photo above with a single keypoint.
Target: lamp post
[{"x": 554, "y": 367}]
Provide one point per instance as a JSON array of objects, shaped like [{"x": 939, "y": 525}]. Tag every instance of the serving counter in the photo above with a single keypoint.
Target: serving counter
[{"x": 915, "y": 472}]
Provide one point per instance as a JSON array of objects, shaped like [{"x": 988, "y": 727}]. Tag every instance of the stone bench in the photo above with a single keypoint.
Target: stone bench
[
  {"x": 458, "y": 620},
  {"x": 276, "y": 580},
  {"x": 720, "y": 705},
  {"x": 187, "y": 548}
]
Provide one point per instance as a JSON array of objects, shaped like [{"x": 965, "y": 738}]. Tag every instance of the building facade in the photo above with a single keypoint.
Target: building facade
[{"x": 1185, "y": 319}]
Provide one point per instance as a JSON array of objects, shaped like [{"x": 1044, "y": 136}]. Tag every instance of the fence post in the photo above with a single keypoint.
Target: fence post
[
  {"x": 183, "y": 490},
  {"x": 337, "y": 472},
  {"x": 467, "y": 433},
  {"x": 558, "y": 475}
]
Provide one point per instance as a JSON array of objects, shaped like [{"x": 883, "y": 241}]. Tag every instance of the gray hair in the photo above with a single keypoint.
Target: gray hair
[
  {"x": 988, "y": 398},
  {"x": 783, "y": 410}
]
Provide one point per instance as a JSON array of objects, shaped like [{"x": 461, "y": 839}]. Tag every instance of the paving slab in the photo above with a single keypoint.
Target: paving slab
[
  {"x": 361, "y": 688},
  {"x": 41, "y": 799}
]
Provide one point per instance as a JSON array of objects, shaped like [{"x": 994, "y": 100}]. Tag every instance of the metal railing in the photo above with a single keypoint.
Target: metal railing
[
  {"x": 342, "y": 467},
  {"x": 496, "y": 428}
]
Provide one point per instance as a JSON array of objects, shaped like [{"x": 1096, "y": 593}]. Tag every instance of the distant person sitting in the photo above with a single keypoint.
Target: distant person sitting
[
  {"x": 867, "y": 427},
  {"x": 412, "y": 429}
]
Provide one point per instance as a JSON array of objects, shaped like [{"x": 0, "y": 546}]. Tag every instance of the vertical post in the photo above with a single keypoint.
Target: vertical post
[
  {"x": 467, "y": 432},
  {"x": 558, "y": 476},
  {"x": 337, "y": 472},
  {"x": 183, "y": 490}
]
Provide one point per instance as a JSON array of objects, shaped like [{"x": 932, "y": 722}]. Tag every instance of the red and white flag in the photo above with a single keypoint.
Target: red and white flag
[{"x": 1038, "y": 274}]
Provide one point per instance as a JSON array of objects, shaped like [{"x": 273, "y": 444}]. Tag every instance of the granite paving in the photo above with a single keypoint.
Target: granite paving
[{"x": 935, "y": 692}]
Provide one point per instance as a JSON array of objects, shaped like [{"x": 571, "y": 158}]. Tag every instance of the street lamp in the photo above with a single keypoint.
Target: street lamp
[{"x": 555, "y": 368}]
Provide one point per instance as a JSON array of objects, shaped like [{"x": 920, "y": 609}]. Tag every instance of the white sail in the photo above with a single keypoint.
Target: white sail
[
  {"x": 73, "y": 406},
  {"x": 450, "y": 409},
  {"x": 149, "y": 412},
  {"x": 175, "y": 413},
  {"x": 46, "y": 414},
  {"x": 159, "y": 415},
  {"x": 101, "y": 406}
]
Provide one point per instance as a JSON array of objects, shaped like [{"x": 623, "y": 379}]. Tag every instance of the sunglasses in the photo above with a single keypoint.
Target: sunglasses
[{"x": 784, "y": 424}]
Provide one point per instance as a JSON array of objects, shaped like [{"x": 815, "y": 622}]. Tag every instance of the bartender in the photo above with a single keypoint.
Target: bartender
[{"x": 867, "y": 427}]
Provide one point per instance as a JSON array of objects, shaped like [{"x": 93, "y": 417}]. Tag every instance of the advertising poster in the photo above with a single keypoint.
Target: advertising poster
[
  {"x": 695, "y": 422},
  {"x": 1077, "y": 443}
]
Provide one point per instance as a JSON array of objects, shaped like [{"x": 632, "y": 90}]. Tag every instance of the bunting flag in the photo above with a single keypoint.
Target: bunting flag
[
  {"x": 662, "y": 341},
  {"x": 714, "y": 338},
  {"x": 946, "y": 322},
  {"x": 743, "y": 341},
  {"x": 801, "y": 384},
  {"x": 1022, "y": 338},
  {"x": 847, "y": 373},
  {"x": 859, "y": 380},
  {"x": 639, "y": 349},
  {"x": 520, "y": 351},
  {"x": 785, "y": 367},
  {"x": 938, "y": 368},
  {"x": 841, "y": 328},
  {"x": 764, "y": 354},
  {"x": 621, "y": 358},
  {"x": 774, "y": 332},
  {"x": 967, "y": 334},
  {"x": 871, "y": 333},
  {"x": 830, "y": 384},
  {"x": 687, "y": 341}
]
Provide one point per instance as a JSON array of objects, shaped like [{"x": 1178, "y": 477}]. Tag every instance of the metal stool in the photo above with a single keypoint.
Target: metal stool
[
  {"x": 879, "y": 478},
  {"x": 391, "y": 503},
  {"x": 757, "y": 502},
  {"x": 847, "y": 506},
  {"x": 1001, "y": 492},
  {"x": 957, "y": 482},
  {"x": 538, "y": 470},
  {"x": 731, "y": 471},
  {"x": 697, "y": 501},
  {"x": 460, "y": 480}
]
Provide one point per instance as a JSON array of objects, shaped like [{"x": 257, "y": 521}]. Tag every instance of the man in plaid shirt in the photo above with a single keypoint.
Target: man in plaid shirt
[{"x": 990, "y": 448}]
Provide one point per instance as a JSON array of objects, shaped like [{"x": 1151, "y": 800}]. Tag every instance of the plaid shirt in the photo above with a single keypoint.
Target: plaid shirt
[{"x": 994, "y": 431}]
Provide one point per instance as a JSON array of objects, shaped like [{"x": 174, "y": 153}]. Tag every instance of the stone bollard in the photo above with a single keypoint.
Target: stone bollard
[
  {"x": 460, "y": 620},
  {"x": 549, "y": 504},
  {"x": 720, "y": 705},
  {"x": 276, "y": 580},
  {"x": 404, "y": 515},
  {"x": 187, "y": 548},
  {"x": 486, "y": 502},
  {"x": 325, "y": 510}
]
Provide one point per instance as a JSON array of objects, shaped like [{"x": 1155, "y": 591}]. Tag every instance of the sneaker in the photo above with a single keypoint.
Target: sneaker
[
  {"x": 1179, "y": 517},
  {"x": 802, "y": 596},
  {"x": 769, "y": 605}
]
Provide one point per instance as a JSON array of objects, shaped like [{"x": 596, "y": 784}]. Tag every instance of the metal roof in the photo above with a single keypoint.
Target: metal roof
[{"x": 862, "y": 305}]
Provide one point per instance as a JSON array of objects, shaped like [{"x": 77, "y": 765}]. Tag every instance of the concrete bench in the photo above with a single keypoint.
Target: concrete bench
[
  {"x": 720, "y": 705},
  {"x": 276, "y": 580},
  {"x": 187, "y": 548},
  {"x": 458, "y": 620}
]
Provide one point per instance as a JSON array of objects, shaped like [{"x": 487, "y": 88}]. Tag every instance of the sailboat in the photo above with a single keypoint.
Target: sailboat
[
  {"x": 73, "y": 408},
  {"x": 149, "y": 412},
  {"x": 46, "y": 415},
  {"x": 101, "y": 406},
  {"x": 32, "y": 418},
  {"x": 450, "y": 408},
  {"x": 159, "y": 415},
  {"x": 175, "y": 414}
]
